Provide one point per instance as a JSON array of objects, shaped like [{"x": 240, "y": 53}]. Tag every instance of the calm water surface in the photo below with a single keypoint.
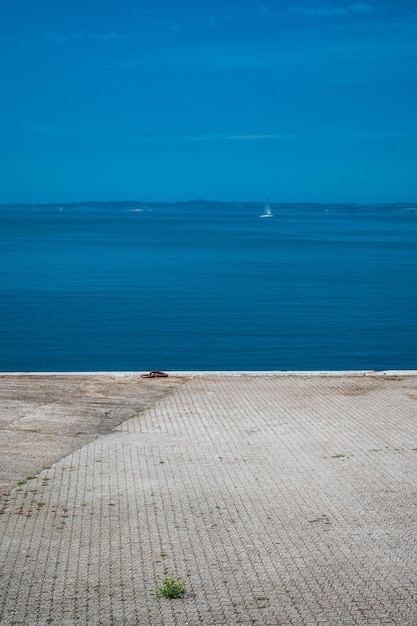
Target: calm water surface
[{"x": 218, "y": 288}]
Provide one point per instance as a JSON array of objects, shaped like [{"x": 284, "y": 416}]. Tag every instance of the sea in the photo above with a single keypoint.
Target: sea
[{"x": 131, "y": 286}]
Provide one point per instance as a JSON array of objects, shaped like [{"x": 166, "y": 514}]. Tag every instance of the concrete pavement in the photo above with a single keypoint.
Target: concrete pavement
[
  {"x": 278, "y": 499},
  {"x": 44, "y": 417}
]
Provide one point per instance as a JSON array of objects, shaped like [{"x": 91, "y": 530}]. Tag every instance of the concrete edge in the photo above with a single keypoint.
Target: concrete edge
[{"x": 196, "y": 373}]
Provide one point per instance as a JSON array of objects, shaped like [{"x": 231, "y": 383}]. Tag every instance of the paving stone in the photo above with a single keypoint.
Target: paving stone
[{"x": 280, "y": 500}]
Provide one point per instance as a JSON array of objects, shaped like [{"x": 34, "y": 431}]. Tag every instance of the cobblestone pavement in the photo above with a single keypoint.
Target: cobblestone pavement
[
  {"x": 45, "y": 417},
  {"x": 280, "y": 500}
]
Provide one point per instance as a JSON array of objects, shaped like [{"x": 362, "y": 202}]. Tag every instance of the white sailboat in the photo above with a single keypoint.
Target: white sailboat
[{"x": 267, "y": 210}]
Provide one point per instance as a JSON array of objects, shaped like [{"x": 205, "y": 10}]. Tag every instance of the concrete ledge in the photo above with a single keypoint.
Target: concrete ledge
[{"x": 193, "y": 373}]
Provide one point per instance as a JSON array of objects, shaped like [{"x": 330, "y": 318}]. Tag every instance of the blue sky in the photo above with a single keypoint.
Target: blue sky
[{"x": 301, "y": 100}]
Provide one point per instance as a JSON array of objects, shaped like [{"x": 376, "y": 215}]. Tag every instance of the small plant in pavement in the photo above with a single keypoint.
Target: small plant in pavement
[{"x": 170, "y": 587}]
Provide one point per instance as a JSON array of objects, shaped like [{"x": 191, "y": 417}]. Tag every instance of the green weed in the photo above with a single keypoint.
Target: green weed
[{"x": 170, "y": 587}]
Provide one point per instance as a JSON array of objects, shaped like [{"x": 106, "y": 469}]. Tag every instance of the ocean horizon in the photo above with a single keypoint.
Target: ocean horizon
[{"x": 199, "y": 285}]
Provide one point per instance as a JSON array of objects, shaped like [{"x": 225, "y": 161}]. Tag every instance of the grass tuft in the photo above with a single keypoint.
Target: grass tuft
[{"x": 170, "y": 587}]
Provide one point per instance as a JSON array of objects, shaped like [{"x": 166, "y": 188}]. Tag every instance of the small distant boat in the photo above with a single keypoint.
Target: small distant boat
[{"x": 267, "y": 210}]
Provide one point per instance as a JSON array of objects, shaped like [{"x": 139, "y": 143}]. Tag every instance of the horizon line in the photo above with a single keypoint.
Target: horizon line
[{"x": 203, "y": 200}]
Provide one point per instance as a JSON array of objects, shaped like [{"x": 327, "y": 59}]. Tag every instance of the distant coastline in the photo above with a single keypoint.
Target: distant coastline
[{"x": 205, "y": 204}]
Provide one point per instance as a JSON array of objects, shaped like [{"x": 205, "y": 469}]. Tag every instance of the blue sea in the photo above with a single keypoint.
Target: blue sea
[{"x": 207, "y": 286}]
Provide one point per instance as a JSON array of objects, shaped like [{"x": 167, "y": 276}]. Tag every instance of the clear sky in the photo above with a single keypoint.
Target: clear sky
[{"x": 298, "y": 100}]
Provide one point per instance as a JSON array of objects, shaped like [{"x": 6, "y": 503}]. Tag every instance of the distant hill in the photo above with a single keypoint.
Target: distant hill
[{"x": 204, "y": 204}]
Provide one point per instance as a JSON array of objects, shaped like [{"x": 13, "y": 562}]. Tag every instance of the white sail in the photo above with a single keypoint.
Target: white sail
[{"x": 267, "y": 210}]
